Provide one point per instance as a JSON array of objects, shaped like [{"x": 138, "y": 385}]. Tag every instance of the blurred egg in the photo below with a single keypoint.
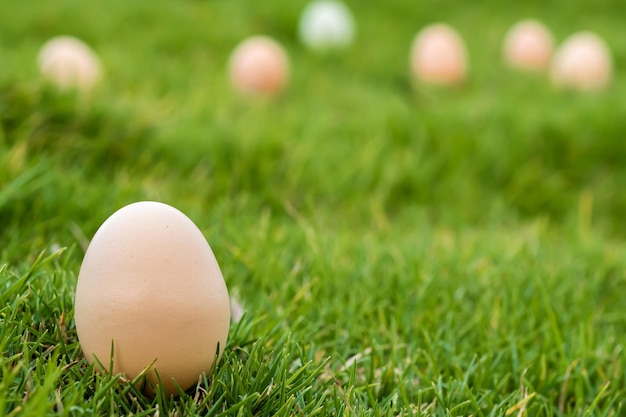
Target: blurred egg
[
  {"x": 150, "y": 285},
  {"x": 528, "y": 45},
  {"x": 259, "y": 65},
  {"x": 583, "y": 62},
  {"x": 326, "y": 24},
  {"x": 69, "y": 63},
  {"x": 236, "y": 309},
  {"x": 438, "y": 55}
]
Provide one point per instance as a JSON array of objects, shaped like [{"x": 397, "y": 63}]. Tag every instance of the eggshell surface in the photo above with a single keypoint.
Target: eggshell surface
[
  {"x": 583, "y": 62},
  {"x": 69, "y": 63},
  {"x": 438, "y": 55},
  {"x": 150, "y": 284},
  {"x": 259, "y": 65},
  {"x": 326, "y": 24},
  {"x": 528, "y": 45}
]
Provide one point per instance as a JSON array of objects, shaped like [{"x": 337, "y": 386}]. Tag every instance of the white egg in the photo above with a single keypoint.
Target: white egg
[
  {"x": 150, "y": 292},
  {"x": 528, "y": 45},
  {"x": 583, "y": 62},
  {"x": 69, "y": 63},
  {"x": 259, "y": 65},
  {"x": 438, "y": 55},
  {"x": 326, "y": 24}
]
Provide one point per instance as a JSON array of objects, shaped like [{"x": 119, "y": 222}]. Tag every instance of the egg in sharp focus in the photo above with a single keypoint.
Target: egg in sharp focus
[
  {"x": 259, "y": 65},
  {"x": 583, "y": 62},
  {"x": 69, "y": 63},
  {"x": 151, "y": 289},
  {"x": 438, "y": 55},
  {"x": 528, "y": 45}
]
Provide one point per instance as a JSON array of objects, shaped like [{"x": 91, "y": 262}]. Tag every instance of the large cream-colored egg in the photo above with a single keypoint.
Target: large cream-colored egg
[
  {"x": 69, "y": 63},
  {"x": 438, "y": 55},
  {"x": 583, "y": 62},
  {"x": 151, "y": 285},
  {"x": 528, "y": 45},
  {"x": 259, "y": 65}
]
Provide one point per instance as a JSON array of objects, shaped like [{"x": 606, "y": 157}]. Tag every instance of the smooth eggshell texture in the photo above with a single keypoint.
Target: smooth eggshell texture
[
  {"x": 259, "y": 65},
  {"x": 583, "y": 62},
  {"x": 69, "y": 63},
  {"x": 150, "y": 284},
  {"x": 326, "y": 24},
  {"x": 528, "y": 45},
  {"x": 438, "y": 55}
]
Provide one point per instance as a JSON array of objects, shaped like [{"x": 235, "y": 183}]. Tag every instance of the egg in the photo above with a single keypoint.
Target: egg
[
  {"x": 150, "y": 291},
  {"x": 528, "y": 45},
  {"x": 259, "y": 65},
  {"x": 583, "y": 62},
  {"x": 325, "y": 25},
  {"x": 438, "y": 55},
  {"x": 68, "y": 63}
]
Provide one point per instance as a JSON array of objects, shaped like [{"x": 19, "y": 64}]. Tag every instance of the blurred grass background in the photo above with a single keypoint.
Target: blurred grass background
[{"x": 467, "y": 243}]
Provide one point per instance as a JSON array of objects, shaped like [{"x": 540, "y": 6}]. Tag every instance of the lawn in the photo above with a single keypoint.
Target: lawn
[{"x": 397, "y": 249}]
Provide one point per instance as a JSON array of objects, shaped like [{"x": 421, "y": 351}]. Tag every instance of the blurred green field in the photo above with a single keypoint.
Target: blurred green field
[{"x": 397, "y": 250}]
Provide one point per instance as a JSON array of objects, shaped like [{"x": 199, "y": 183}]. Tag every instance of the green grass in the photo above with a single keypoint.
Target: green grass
[{"x": 397, "y": 250}]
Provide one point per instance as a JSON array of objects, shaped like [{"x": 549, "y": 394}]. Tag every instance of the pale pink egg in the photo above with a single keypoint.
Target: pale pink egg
[
  {"x": 259, "y": 65},
  {"x": 151, "y": 299},
  {"x": 438, "y": 55},
  {"x": 583, "y": 62},
  {"x": 69, "y": 63},
  {"x": 528, "y": 45}
]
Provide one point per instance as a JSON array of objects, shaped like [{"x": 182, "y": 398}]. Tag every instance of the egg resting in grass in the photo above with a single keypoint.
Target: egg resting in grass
[
  {"x": 583, "y": 62},
  {"x": 259, "y": 65},
  {"x": 326, "y": 24},
  {"x": 150, "y": 284},
  {"x": 69, "y": 63},
  {"x": 528, "y": 45},
  {"x": 438, "y": 55}
]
